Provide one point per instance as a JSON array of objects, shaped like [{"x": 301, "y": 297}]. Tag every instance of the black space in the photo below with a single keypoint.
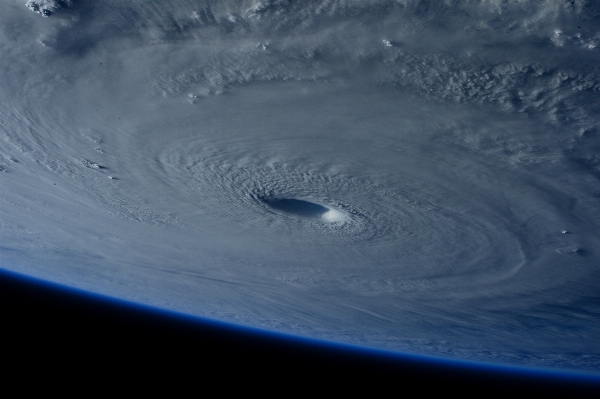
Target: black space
[{"x": 59, "y": 340}]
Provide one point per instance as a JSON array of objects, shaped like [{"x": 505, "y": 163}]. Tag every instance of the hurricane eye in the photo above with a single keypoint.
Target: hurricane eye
[{"x": 297, "y": 207}]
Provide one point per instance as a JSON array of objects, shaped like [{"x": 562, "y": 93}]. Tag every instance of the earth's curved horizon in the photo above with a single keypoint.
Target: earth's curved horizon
[{"x": 414, "y": 176}]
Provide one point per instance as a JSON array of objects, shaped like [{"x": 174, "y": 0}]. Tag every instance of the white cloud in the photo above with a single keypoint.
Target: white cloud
[{"x": 47, "y": 7}]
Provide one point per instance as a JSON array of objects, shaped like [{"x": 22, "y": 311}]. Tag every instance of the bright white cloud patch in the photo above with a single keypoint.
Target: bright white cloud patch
[{"x": 47, "y": 7}]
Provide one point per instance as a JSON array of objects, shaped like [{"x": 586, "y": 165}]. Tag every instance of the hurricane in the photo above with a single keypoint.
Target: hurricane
[{"x": 409, "y": 175}]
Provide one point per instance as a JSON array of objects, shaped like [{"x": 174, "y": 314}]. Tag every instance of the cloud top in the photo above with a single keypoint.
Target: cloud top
[{"x": 47, "y": 7}]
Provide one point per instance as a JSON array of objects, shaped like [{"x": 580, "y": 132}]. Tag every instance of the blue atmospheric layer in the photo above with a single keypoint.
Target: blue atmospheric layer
[{"x": 389, "y": 360}]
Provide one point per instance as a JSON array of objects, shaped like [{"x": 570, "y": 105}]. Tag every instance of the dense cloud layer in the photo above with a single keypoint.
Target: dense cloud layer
[
  {"x": 47, "y": 7},
  {"x": 413, "y": 175},
  {"x": 542, "y": 62}
]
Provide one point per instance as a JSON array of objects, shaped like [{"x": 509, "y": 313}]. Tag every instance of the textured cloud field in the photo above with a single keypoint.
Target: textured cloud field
[{"x": 411, "y": 175}]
